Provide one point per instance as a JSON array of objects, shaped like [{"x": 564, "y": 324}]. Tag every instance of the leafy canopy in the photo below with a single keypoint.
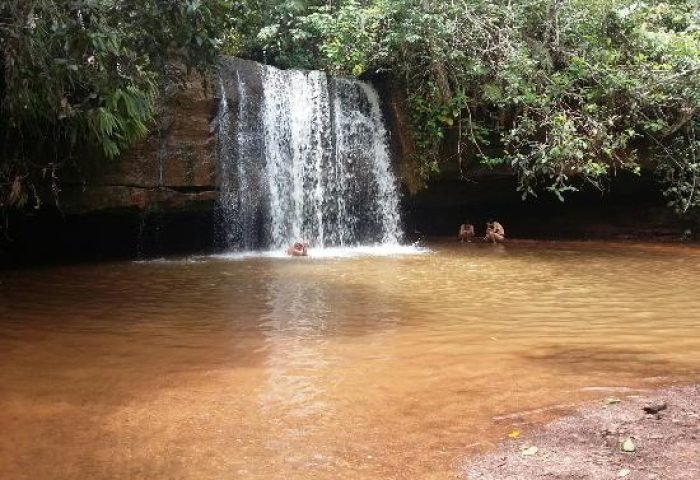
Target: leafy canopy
[{"x": 563, "y": 91}]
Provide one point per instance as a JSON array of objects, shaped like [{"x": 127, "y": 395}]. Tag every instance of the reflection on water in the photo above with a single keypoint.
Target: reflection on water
[
  {"x": 305, "y": 368},
  {"x": 354, "y": 365},
  {"x": 293, "y": 400}
]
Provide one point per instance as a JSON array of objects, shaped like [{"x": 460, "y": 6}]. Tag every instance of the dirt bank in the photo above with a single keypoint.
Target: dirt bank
[{"x": 654, "y": 436}]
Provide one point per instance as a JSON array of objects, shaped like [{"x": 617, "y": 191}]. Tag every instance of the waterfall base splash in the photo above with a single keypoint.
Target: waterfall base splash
[{"x": 331, "y": 252}]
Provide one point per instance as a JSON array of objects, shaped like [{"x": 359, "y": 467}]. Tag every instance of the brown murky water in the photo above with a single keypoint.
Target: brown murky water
[{"x": 335, "y": 368}]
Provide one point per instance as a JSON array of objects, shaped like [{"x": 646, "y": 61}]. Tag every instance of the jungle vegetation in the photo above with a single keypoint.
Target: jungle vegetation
[{"x": 564, "y": 92}]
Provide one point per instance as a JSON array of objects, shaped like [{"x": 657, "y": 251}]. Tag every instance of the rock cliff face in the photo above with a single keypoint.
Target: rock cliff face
[
  {"x": 157, "y": 198},
  {"x": 174, "y": 168},
  {"x": 633, "y": 208}
]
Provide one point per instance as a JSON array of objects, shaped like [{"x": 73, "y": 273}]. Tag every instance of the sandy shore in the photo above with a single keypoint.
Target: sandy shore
[{"x": 651, "y": 436}]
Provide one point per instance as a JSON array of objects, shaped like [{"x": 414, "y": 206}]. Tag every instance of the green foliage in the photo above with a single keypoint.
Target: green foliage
[
  {"x": 273, "y": 31},
  {"x": 680, "y": 168},
  {"x": 85, "y": 74},
  {"x": 562, "y": 91}
]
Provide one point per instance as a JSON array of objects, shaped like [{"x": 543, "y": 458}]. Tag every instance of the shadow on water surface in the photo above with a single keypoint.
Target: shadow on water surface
[{"x": 599, "y": 359}]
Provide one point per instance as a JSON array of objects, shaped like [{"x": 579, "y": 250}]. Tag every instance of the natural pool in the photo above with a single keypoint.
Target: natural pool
[{"x": 356, "y": 364}]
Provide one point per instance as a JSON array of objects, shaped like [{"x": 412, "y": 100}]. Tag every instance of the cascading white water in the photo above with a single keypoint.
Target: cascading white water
[
  {"x": 296, "y": 124},
  {"x": 311, "y": 160},
  {"x": 363, "y": 162},
  {"x": 228, "y": 197}
]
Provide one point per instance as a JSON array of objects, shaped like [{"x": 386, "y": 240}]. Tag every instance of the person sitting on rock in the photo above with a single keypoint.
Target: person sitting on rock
[
  {"x": 298, "y": 249},
  {"x": 466, "y": 232},
  {"x": 489, "y": 231},
  {"x": 495, "y": 233}
]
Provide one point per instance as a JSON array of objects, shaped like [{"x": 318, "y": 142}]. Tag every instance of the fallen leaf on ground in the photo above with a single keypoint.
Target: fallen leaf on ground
[
  {"x": 628, "y": 446},
  {"x": 514, "y": 434}
]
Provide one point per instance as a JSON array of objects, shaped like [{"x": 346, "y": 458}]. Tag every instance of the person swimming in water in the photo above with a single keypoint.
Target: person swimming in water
[{"x": 298, "y": 249}]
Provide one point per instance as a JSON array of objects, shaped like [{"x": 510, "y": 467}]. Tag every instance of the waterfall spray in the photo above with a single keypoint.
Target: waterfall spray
[{"x": 308, "y": 158}]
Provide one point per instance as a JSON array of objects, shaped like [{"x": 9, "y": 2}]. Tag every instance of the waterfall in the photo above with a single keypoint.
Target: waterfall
[
  {"x": 228, "y": 198},
  {"x": 303, "y": 156}
]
